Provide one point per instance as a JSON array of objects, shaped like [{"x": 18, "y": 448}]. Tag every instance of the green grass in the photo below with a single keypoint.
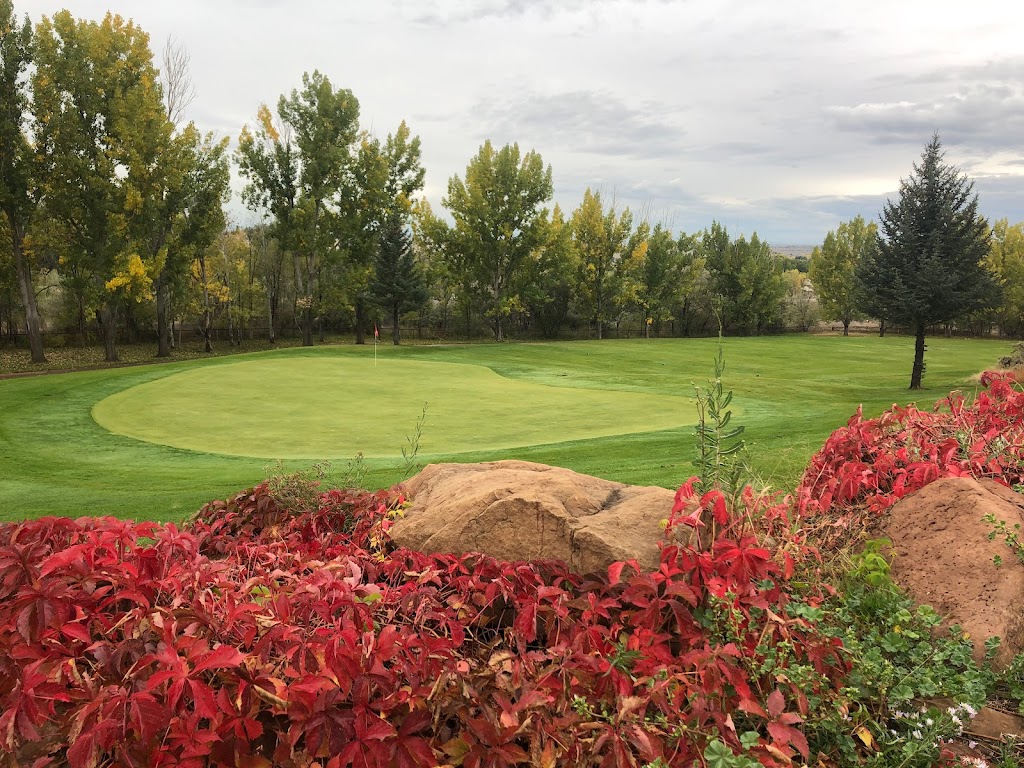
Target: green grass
[
  {"x": 332, "y": 407},
  {"x": 791, "y": 392}
]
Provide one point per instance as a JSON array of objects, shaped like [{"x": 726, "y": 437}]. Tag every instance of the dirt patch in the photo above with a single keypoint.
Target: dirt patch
[{"x": 945, "y": 555}]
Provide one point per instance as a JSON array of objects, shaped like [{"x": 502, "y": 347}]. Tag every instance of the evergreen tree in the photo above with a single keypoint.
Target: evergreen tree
[
  {"x": 397, "y": 284},
  {"x": 928, "y": 267}
]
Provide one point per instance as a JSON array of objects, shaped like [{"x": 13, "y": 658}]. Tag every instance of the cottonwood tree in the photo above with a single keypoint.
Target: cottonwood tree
[
  {"x": 929, "y": 264},
  {"x": 550, "y": 280},
  {"x": 297, "y": 170},
  {"x": 1005, "y": 260},
  {"x": 746, "y": 279},
  {"x": 499, "y": 222},
  {"x": 448, "y": 281},
  {"x": 99, "y": 149},
  {"x": 17, "y": 175},
  {"x": 662, "y": 275},
  {"x": 206, "y": 189},
  {"x": 387, "y": 176},
  {"x": 170, "y": 203},
  {"x": 600, "y": 238},
  {"x": 833, "y": 267}
]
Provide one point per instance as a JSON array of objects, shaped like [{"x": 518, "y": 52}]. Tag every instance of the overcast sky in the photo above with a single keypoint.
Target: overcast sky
[{"x": 782, "y": 117}]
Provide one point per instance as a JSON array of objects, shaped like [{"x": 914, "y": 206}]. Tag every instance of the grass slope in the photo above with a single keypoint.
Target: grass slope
[{"x": 791, "y": 391}]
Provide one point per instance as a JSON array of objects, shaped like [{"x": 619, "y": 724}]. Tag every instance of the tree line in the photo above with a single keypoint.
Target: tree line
[
  {"x": 113, "y": 211},
  {"x": 113, "y": 208}
]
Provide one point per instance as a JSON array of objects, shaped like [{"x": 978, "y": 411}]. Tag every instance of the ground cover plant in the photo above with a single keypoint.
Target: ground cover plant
[
  {"x": 298, "y": 637},
  {"x": 868, "y": 465},
  {"x": 790, "y": 393}
]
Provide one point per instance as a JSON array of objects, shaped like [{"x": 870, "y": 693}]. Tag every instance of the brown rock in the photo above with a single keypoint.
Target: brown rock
[
  {"x": 518, "y": 510},
  {"x": 944, "y": 558}
]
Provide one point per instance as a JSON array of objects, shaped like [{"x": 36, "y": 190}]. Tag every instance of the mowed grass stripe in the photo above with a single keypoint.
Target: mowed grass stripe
[
  {"x": 792, "y": 391},
  {"x": 332, "y": 407}
]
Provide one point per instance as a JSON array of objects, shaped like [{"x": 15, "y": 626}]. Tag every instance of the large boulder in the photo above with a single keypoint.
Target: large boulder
[
  {"x": 945, "y": 556},
  {"x": 518, "y": 510}
]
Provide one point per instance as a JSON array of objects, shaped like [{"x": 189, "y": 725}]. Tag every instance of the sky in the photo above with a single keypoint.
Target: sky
[{"x": 783, "y": 118}]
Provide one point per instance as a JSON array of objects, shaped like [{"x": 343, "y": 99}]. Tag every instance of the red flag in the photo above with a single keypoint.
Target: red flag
[{"x": 375, "y": 334}]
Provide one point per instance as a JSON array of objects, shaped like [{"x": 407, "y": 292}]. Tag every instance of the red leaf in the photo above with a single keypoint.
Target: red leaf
[
  {"x": 222, "y": 657},
  {"x": 76, "y": 632},
  {"x": 615, "y": 572},
  {"x": 776, "y": 703}
]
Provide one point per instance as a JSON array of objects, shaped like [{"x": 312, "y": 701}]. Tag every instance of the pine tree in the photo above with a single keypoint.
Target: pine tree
[
  {"x": 398, "y": 284},
  {"x": 928, "y": 267}
]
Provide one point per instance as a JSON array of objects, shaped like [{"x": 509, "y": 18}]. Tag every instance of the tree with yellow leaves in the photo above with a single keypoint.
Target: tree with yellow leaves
[
  {"x": 299, "y": 168},
  {"x": 601, "y": 239},
  {"x": 17, "y": 198},
  {"x": 99, "y": 141},
  {"x": 1005, "y": 260}
]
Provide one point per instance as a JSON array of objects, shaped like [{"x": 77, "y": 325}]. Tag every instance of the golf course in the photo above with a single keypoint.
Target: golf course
[{"x": 157, "y": 441}]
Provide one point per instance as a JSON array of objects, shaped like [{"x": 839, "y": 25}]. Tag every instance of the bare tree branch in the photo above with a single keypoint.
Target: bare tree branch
[{"x": 179, "y": 90}]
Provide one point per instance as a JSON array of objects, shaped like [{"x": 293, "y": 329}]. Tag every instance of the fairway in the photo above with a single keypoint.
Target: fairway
[
  {"x": 621, "y": 410},
  {"x": 314, "y": 408}
]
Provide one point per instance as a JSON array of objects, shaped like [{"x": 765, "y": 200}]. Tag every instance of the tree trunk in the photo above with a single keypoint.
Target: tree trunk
[
  {"x": 163, "y": 302},
  {"x": 846, "y": 327},
  {"x": 396, "y": 332},
  {"x": 918, "y": 371},
  {"x": 305, "y": 302},
  {"x": 107, "y": 318},
  {"x": 306, "y": 326},
  {"x": 881, "y": 329},
  {"x": 360, "y": 321},
  {"x": 231, "y": 326},
  {"x": 207, "y": 346},
  {"x": 271, "y": 317},
  {"x": 28, "y": 295}
]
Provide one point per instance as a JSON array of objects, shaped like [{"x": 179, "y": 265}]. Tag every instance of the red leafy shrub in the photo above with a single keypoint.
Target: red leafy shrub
[
  {"x": 870, "y": 464},
  {"x": 262, "y": 636}
]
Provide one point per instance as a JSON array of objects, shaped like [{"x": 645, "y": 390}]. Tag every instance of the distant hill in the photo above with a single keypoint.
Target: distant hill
[{"x": 794, "y": 250}]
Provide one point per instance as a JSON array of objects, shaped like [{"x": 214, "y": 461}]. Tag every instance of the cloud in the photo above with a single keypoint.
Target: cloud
[
  {"x": 981, "y": 108},
  {"x": 584, "y": 122},
  {"x": 470, "y": 11}
]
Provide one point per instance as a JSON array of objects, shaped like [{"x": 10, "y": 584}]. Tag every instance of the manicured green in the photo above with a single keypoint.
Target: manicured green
[
  {"x": 791, "y": 392},
  {"x": 333, "y": 407}
]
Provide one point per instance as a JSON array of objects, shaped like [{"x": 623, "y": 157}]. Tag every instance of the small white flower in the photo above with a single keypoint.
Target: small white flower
[{"x": 916, "y": 734}]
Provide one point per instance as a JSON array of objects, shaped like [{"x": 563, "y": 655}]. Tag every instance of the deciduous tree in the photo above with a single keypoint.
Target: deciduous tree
[
  {"x": 833, "y": 268},
  {"x": 499, "y": 222},
  {"x": 1005, "y": 260},
  {"x": 388, "y": 175},
  {"x": 550, "y": 281},
  {"x": 17, "y": 174},
  {"x": 746, "y": 278},
  {"x": 600, "y": 238},
  {"x": 297, "y": 170},
  {"x": 101, "y": 129},
  {"x": 929, "y": 264}
]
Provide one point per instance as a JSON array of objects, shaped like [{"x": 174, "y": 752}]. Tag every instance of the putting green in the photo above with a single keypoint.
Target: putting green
[{"x": 313, "y": 408}]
